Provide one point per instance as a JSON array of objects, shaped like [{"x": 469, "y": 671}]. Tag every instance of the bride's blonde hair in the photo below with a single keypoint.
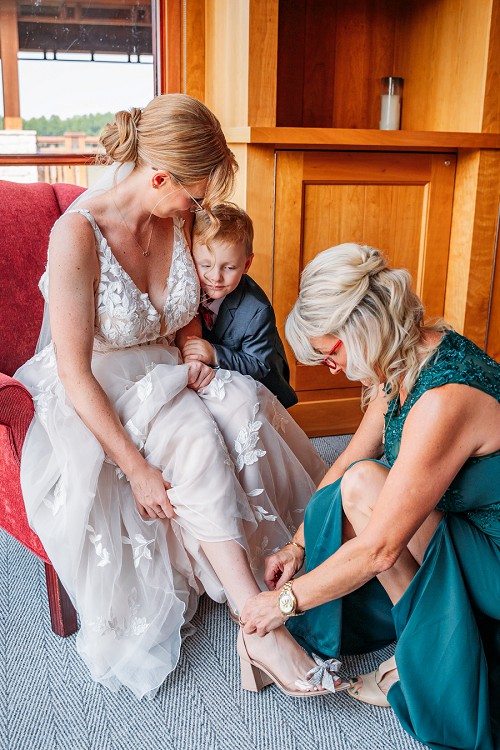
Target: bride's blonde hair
[
  {"x": 349, "y": 292},
  {"x": 178, "y": 134}
]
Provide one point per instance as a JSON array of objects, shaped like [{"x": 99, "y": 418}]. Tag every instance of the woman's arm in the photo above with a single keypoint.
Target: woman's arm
[
  {"x": 74, "y": 274},
  {"x": 365, "y": 443},
  {"x": 442, "y": 430},
  {"x": 193, "y": 328}
]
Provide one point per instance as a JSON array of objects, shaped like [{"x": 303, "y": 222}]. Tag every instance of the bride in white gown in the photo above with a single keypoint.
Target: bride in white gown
[{"x": 150, "y": 481}]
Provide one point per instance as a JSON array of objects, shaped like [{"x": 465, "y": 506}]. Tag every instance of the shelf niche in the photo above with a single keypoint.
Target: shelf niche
[{"x": 332, "y": 54}]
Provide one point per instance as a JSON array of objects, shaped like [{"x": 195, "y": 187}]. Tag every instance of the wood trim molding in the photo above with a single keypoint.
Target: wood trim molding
[
  {"x": 14, "y": 160},
  {"x": 171, "y": 47},
  {"x": 385, "y": 140},
  {"x": 9, "y": 47}
]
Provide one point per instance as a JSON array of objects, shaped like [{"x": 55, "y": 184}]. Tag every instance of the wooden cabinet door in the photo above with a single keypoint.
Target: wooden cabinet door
[{"x": 399, "y": 203}]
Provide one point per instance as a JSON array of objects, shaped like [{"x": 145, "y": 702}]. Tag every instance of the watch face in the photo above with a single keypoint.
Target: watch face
[{"x": 287, "y": 602}]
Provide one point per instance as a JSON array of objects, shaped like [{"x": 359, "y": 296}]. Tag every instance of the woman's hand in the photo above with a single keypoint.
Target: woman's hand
[
  {"x": 282, "y": 566},
  {"x": 261, "y": 614},
  {"x": 199, "y": 376},
  {"x": 150, "y": 493},
  {"x": 197, "y": 348}
]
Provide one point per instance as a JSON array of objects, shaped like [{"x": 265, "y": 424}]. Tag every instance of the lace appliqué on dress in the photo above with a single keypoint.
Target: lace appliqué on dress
[
  {"x": 59, "y": 498},
  {"x": 279, "y": 421},
  {"x": 183, "y": 295},
  {"x": 485, "y": 518},
  {"x": 456, "y": 360},
  {"x": 125, "y": 316},
  {"x": 217, "y": 386},
  {"x": 246, "y": 442},
  {"x": 101, "y": 551},
  {"x": 140, "y": 550},
  {"x": 126, "y": 626}
]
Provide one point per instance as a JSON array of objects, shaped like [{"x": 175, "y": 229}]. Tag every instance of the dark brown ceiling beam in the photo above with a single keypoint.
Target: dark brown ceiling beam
[
  {"x": 75, "y": 38},
  {"x": 83, "y": 21}
]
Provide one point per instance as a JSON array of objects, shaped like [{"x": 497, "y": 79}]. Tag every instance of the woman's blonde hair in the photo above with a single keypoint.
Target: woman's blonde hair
[
  {"x": 178, "y": 134},
  {"x": 349, "y": 292}
]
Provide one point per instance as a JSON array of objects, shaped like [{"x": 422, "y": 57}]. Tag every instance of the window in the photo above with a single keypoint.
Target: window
[{"x": 66, "y": 67}]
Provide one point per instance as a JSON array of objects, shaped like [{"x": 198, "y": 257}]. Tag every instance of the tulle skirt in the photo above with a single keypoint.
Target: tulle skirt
[{"x": 240, "y": 469}]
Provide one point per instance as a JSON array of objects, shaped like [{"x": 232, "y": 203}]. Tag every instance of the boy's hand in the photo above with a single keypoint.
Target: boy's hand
[
  {"x": 199, "y": 349},
  {"x": 199, "y": 376}
]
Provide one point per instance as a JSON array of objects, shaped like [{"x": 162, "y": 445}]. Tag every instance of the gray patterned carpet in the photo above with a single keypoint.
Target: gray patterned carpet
[{"x": 48, "y": 702}]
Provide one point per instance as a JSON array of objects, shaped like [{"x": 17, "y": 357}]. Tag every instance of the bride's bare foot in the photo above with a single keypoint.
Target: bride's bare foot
[{"x": 281, "y": 657}]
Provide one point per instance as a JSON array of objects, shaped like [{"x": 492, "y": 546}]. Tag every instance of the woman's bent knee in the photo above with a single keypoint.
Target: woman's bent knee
[{"x": 361, "y": 485}]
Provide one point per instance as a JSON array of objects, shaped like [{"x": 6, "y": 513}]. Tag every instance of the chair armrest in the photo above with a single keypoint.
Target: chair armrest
[{"x": 16, "y": 411}]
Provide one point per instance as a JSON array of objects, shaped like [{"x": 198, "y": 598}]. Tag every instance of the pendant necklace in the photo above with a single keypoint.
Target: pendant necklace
[{"x": 146, "y": 252}]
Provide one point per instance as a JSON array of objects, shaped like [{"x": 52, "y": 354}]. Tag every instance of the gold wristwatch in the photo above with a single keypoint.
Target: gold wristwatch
[{"x": 287, "y": 601}]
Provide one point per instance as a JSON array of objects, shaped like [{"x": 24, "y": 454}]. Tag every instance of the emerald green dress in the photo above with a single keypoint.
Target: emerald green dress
[{"x": 447, "y": 623}]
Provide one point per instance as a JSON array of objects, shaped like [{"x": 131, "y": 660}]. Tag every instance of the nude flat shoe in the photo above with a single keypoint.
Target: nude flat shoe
[
  {"x": 255, "y": 676},
  {"x": 369, "y": 692}
]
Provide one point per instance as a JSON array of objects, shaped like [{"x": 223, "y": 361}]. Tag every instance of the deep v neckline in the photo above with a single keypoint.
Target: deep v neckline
[{"x": 169, "y": 277}]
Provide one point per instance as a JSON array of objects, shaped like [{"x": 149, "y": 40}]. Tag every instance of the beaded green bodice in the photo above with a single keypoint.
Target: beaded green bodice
[{"x": 474, "y": 490}]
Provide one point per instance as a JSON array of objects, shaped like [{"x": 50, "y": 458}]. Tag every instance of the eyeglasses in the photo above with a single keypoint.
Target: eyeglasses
[
  {"x": 328, "y": 361},
  {"x": 198, "y": 202}
]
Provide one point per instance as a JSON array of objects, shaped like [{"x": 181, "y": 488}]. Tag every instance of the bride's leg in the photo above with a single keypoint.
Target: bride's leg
[{"x": 277, "y": 650}]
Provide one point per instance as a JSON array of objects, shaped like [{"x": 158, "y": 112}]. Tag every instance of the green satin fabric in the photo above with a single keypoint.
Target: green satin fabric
[{"x": 448, "y": 621}]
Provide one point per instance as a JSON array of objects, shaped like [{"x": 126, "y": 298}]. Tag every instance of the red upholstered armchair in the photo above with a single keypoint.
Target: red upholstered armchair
[{"x": 27, "y": 215}]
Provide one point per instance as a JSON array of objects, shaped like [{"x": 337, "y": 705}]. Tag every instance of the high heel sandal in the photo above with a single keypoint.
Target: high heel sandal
[
  {"x": 370, "y": 692},
  {"x": 255, "y": 675}
]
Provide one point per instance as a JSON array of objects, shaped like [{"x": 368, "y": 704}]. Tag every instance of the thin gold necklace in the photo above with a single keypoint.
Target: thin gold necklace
[{"x": 147, "y": 251}]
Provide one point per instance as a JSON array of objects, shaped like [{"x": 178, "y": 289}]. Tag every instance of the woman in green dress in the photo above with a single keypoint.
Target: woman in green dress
[{"x": 408, "y": 547}]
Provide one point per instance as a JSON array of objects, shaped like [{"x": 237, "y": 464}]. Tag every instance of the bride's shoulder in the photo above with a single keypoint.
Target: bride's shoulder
[{"x": 73, "y": 239}]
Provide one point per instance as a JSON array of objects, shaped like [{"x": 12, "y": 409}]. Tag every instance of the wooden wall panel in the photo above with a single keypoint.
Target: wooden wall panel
[
  {"x": 442, "y": 53},
  {"x": 227, "y": 60},
  {"x": 263, "y": 52},
  {"x": 194, "y": 49},
  {"x": 171, "y": 47},
  {"x": 491, "y": 109},
  {"x": 364, "y": 44},
  {"x": 472, "y": 247},
  {"x": 400, "y": 203},
  {"x": 331, "y": 55}
]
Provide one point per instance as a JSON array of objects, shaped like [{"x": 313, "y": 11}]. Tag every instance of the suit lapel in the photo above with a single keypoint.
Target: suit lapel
[{"x": 228, "y": 309}]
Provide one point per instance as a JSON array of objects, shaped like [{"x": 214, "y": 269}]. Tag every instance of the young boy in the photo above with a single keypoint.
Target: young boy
[{"x": 238, "y": 322}]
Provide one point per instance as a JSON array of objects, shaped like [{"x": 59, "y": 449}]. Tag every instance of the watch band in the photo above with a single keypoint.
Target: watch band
[{"x": 288, "y": 591}]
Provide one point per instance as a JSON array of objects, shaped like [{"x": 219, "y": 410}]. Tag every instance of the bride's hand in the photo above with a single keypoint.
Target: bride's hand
[
  {"x": 261, "y": 614},
  {"x": 282, "y": 566},
  {"x": 199, "y": 375},
  {"x": 150, "y": 493}
]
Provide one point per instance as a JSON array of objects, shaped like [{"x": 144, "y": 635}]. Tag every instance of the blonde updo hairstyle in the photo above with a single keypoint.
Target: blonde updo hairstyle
[
  {"x": 349, "y": 292},
  {"x": 178, "y": 134}
]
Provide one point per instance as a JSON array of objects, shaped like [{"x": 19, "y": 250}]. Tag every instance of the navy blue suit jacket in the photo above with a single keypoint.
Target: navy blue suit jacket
[{"x": 245, "y": 339}]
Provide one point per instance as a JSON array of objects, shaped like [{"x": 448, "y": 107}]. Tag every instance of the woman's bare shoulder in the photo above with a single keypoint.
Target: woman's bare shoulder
[
  {"x": 458, "y": 411},
  {"x": 72, "y": 230},
  {"x": 72, "y": 245}
]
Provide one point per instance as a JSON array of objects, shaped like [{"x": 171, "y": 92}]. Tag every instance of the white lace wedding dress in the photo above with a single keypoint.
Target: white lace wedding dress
[{"x": 239, "y": 466}]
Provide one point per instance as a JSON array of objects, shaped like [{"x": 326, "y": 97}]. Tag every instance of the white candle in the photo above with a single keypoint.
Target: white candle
[{"x": 390, "y": 112}]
